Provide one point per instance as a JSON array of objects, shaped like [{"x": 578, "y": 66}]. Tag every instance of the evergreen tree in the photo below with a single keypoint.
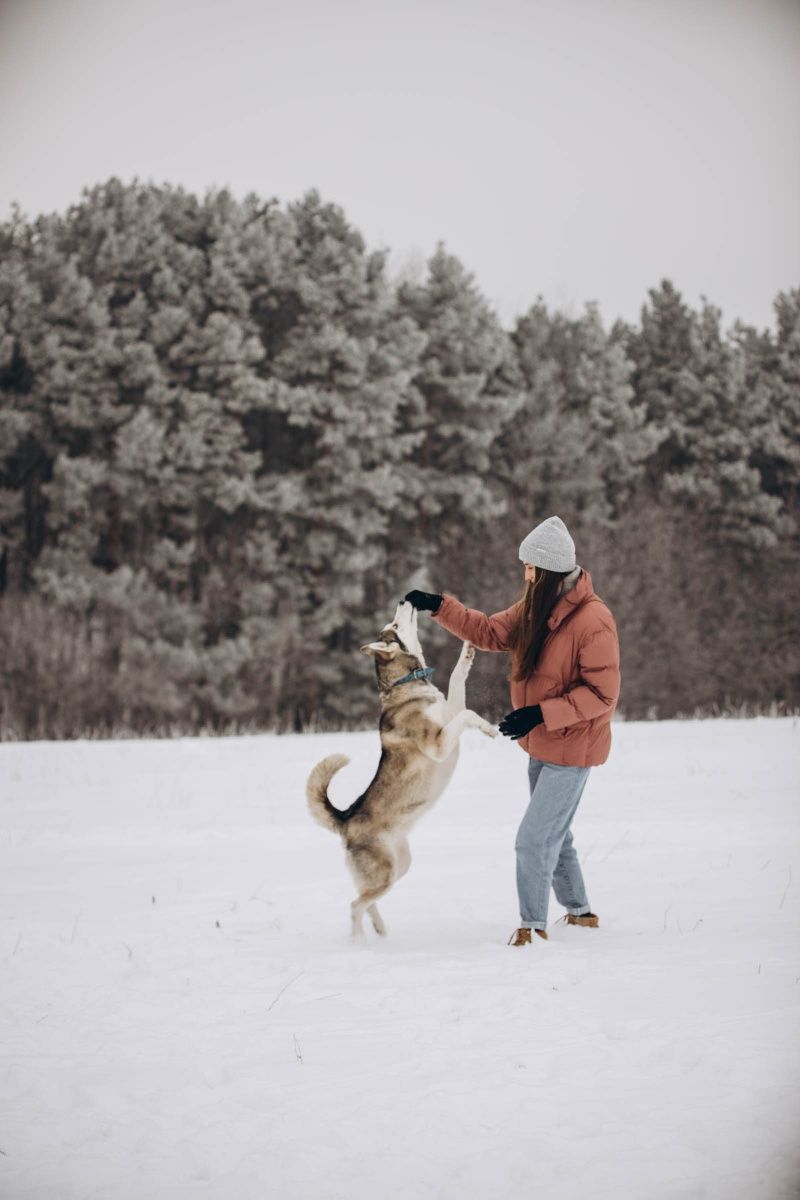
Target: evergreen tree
[
  {"x": 695, "y": 391},
  {"x": 769, "y": 392},
  {"x": 470, "y": 391},
  {"x": 25, "y": 440},
  {"x": 580, "y": 442},
  {"x": 341, "y": 369}
]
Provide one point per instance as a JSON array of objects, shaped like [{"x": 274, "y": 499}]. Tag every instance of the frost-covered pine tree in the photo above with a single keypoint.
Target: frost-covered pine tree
[
  {"x": 469, "y": 385},
  {"x": 580, "y": 442},
  {"x": 334, "y": 449}
]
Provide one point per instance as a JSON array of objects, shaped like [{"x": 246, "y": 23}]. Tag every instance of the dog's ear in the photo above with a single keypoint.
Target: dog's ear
[{"x": 384, "y": 650}]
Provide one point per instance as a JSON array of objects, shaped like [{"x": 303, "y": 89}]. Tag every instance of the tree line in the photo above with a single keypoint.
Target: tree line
[{"x": 230, "y": 442}]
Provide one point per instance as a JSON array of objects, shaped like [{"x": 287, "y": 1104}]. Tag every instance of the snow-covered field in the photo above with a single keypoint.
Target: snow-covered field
[{"x": 184, "y": 1015}]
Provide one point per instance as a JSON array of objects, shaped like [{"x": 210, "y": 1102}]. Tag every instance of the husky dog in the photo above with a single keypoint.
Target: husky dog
[{"x": 419, "y": 731}]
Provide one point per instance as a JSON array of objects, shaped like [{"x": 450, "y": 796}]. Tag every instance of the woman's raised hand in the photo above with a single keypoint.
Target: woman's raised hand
[{"x": 424, "y": 601}]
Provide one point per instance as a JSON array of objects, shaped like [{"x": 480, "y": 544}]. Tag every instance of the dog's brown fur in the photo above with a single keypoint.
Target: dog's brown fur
[{"x": 419, "y": 730}]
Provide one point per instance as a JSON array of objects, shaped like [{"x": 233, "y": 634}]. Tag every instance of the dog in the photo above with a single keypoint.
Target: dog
[{"x": 419, "y": 730}]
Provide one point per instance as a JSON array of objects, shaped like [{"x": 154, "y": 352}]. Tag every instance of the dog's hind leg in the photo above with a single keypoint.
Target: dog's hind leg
[
  {"x": 367, "y": 901},
  {"x": 377, "y": 919},
  {"x": 374, "y": 872},
  {"x": 402, "y": 861}
]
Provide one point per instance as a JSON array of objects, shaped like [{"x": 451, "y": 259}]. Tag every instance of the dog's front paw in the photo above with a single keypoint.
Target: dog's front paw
[
  {"x": 475, "y": 721},
  {"x": 490, "y": 730},
  {"x": 467, "y": 655}
]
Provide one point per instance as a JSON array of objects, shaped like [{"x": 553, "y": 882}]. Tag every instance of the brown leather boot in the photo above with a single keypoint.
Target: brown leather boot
[
  {"x": 522, "y": 937},
  {"x": 587, "y": 919}
]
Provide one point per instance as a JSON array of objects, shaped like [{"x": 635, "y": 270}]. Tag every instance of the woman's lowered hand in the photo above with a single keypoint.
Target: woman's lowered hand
[{"x": 521, "y": 721}]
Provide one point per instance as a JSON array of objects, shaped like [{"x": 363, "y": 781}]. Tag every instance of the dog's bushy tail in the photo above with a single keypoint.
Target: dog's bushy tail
[{"x": 319, "y": 805}]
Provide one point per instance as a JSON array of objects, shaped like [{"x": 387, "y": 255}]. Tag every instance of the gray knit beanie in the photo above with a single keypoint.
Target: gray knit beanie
[{"x": 549, "y": 545}]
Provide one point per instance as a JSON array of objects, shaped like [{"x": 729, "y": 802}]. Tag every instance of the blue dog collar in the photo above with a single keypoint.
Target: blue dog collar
[{"x": 420, "y": 673}]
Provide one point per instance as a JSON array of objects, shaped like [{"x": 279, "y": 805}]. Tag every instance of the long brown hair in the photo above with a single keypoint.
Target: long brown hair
[{"x": 530, "y": 629}]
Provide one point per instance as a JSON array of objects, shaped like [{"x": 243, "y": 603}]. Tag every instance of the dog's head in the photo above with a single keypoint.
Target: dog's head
[{"x": 398, "y": 641}]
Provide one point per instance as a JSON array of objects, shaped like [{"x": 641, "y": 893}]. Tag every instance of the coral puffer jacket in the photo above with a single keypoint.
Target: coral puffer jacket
[{"x": 577, "y": 678}]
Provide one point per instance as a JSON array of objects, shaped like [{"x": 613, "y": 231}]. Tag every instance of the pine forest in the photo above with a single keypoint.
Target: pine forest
[{"x": 230, "y": 442}]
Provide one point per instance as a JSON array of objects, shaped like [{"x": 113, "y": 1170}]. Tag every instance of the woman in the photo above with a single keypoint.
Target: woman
[{"x": 564, "y": 687}]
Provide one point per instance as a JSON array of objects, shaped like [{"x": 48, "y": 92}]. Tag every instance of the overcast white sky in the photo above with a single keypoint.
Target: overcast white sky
[{"x": 581, "y": 149}]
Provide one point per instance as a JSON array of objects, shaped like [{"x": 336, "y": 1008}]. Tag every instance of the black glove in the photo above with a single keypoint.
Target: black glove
[
  {"x": 521, "y": 721},
  {"x": 424, "y": 601}
]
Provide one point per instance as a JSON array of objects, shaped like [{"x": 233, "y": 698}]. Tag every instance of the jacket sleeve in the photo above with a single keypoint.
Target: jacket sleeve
[
  {"x": 487, "y": 633},
  {"x": 597, "y": 691}
]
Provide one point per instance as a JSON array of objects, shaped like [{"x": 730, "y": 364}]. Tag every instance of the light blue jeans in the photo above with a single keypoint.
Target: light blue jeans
[{"x": 545, "y": 854}]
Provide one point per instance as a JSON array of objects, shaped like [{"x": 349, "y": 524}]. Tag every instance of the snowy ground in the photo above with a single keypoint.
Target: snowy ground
[{"x": 183, "y": 1014}]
